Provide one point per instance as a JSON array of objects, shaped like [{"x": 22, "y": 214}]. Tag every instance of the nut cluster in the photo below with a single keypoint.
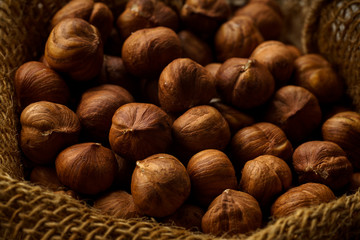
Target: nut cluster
[{"x": 191, "y": 112}]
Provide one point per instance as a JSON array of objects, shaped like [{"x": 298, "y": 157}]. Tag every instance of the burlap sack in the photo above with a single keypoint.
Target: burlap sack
[{"x": 30, "y": 212}]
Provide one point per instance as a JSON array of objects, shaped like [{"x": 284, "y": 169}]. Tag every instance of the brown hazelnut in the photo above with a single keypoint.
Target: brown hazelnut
[
  {"x": 344, "y": 129},
  {"x": 160, "y": 185},
  {"x": 102, "y": 18},
  {"x": 34, "y": 82},
  {"x": 271, "y": 3},
  {"x": 184, "y": 84},
  {"x": 200, "y": 128},
  {"x": 204, "y": 16},
  {"x": 74, "y": 47},
  {"x": 119, "y": 204},
  {"x": 262, "y": 138},
  {"x": 295, "y": 110},
  {"x": 296, "y": 52},
  {"x": 147, "y": 51},
  {"x": 232, "y": 212},
  {"x": 73, "y": 9},
  {"x": 46, "y": 129},
  {"x": 264, "y": 178},
  {"x": 139, "y": 130},
  {"x": 314, "y": 72},
  {"x": 233, "y": 117},
  {"x": 278, "y": 58},
  {"x": 211, "y": 172},
  {"x": 187, "y": 216},
  {"x": 46, "y": 177},
  {"x": 195, "y": 48},
  {"x": 305, "y": 195},
  {"x": 140, "y": 14},
  {"x": 244, "y": 83},
  {"x": 322, "y": 162},
  {"x": 97, "y": 107},
  {"x": 86, "y": 168},
  {"x": 266, "y": 19},
  {"x": 213, "y": 68},
  {"x": 237, "y": 37}
]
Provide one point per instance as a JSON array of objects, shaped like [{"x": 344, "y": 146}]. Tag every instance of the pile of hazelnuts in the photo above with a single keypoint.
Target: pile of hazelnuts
[{"x": 189, "y": 112}]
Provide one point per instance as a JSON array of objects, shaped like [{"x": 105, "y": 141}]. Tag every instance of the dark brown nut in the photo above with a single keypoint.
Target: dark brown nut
[
  {"x": 204, "y": 17},
  {"x": 264, "y": 178},
  {"x": 213, "y": 68},
  {"x": 322, "y": 162},
  {"x": 314, "y": 72},
  {"x": 46, "y": 129},
  {"x": 34, "y": 82},
  {"x": 233, "y": 117},
  {"x": 200, "y": 128},
  {"x": 296, "y": 52},
  {"x": 147, "y": 51},
  {"x": 184, "y": 84},
  {"x": 74, "y": 47},
  {"x": 140, "y": 14},
  {"x": 237, "y": 37},
  {"x": 296, "y": 111},
  {"x": 354, "y": 182},
  {"x": 195, "y": 48},
  {"x": 232, "y": 212},
  {"x": 271, "y": 3},
  {"x": 187, "y": 216},
  {"x": 87, "y": 168},
  {"x": 266, "y": 19},
  {"x": 119, "y": 204},
  {"x": 97, "y": 107},
  {"x": 73, "y": 9},
  {"x": 139, "y": 130},
  {"x": 45, "y": 177},
  {"x": 260, "y": 139},
  {"x": 102, "y": 18},
  {"x": 244, "y": 83},
  {"x": 278, "y": 58},
  {"x": 305, "y": 195},
  {"x": 211, "y": 172},
  {"x": 160, "y": 185},
  {"x": 344, "y": 129}
]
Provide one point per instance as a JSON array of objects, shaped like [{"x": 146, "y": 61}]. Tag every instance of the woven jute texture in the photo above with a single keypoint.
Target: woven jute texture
[{"x": 30, "y": 212}]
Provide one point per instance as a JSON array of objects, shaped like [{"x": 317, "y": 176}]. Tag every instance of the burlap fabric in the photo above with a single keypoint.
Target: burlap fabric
[{"x": 30, "y": 212}]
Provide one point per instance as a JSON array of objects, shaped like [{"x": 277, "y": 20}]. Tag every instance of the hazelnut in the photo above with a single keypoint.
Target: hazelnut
[
  {"x": 296, "y": 52},
  {"x": 213, "y": 68},
  {"x": 140, "y": 14},
  {"x": 139, "y": 130},
  {"x": 204, "y": 16},
  {"x": 184, "y": 84},
  {"x": 264, "y": 178},
  {"x": 34, "y": 82},
  {"x": 45, "y": 177},
  {"x": 46, "y": 129},
  {"x": 160, "y": 185},
  {"x": 119, "y": 204},
  {"x": 187, "y": 216},
  {"x": 237, "y": 37},
  {"x": 73, "y": 9},
  {"x": 314, "y": 72},
  {"x": 232, "y": 212},
  {"x": 102, "y": 18},
  {"x": 322, "y": 162},
  {"x": 86, "y": 168},
  {"x": 344, "y": 129},
  {"x": 278, "y": 58},
  {"x": 305, "y": 195},
  {"x": 97, "y": 107},
  {"x": 262, "y": 138},
  {"x": 195, "y": 48},
  {"x": 244, "y": 83},
  {"x": 211, "y": 172},
  {"x": 269, "y": 22},
  {"x": 74, "y": 47},
  {"x": 147, "y": 51},
  {"x": 200, "y": 128},
  {"x": 233, "y": 117},
  {"x": 271, "y": 3},
  {"x": 295, "y": 110}
]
